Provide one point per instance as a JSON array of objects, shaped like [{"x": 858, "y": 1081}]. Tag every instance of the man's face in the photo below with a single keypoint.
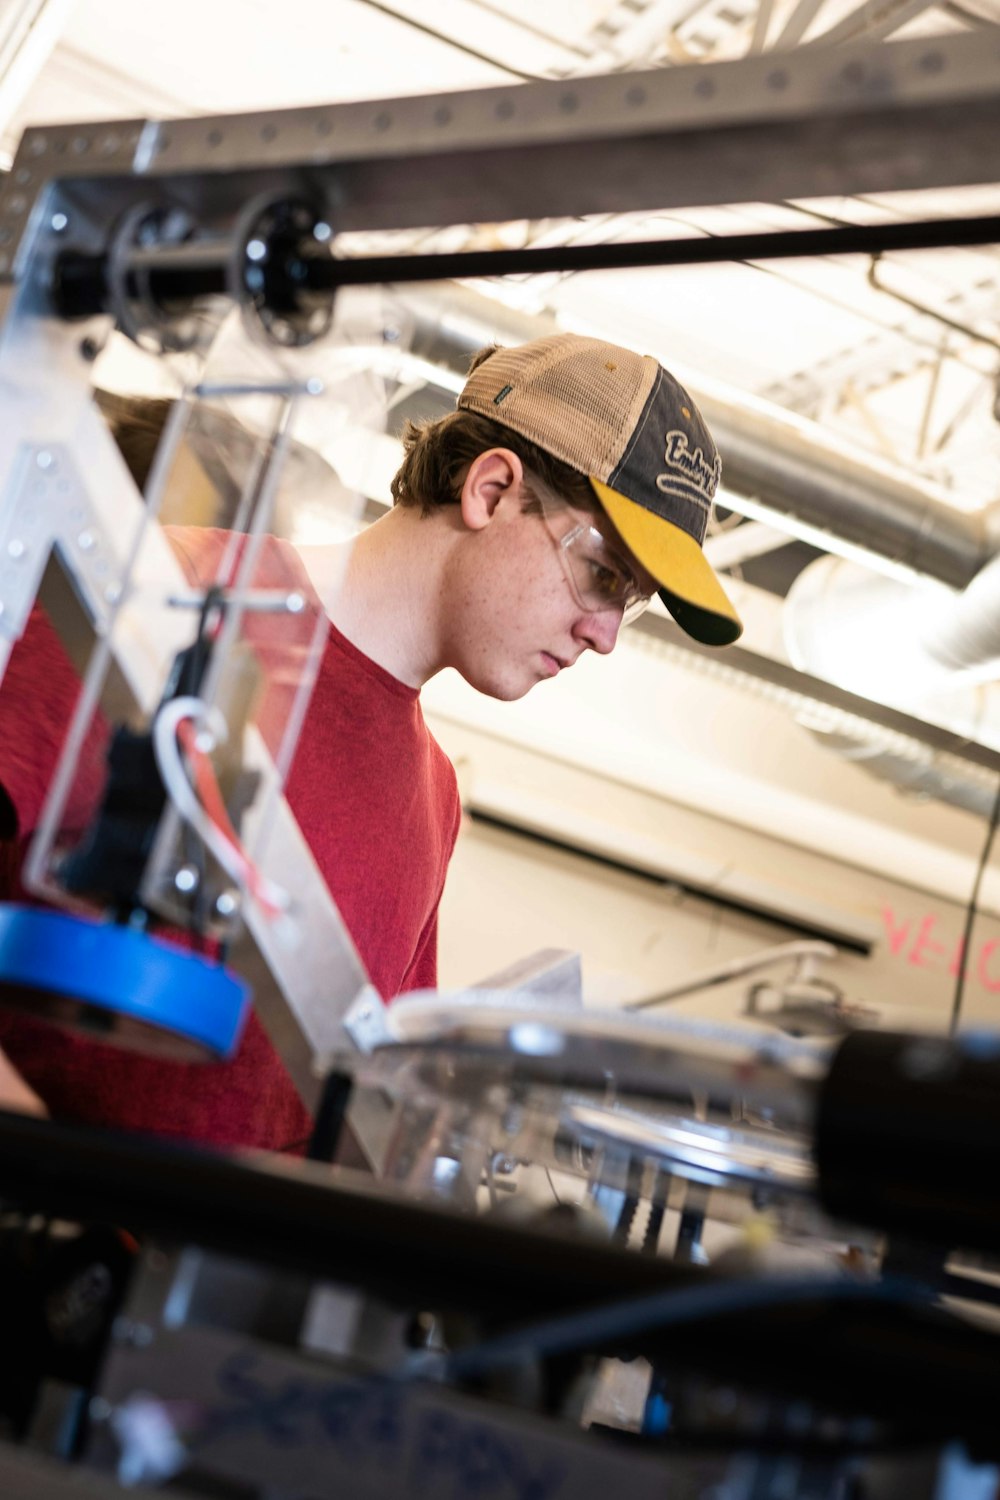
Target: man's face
[{"x": 534, "y": 591}]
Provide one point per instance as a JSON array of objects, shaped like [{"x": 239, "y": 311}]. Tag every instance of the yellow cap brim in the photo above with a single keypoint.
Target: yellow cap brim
[{"x": 688, "y": 586}]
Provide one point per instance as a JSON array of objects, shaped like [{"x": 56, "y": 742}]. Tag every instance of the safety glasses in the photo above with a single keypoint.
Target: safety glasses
[{"x": 596, "y": 570}]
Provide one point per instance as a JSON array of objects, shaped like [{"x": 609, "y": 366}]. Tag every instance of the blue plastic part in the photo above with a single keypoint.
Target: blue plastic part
[
  {"x": 120, "y": 983},
  {"x": 656, "y": 1416}
]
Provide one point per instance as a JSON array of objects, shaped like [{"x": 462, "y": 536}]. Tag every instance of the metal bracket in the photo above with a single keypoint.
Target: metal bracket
[{"x": 364, "y": 1021}]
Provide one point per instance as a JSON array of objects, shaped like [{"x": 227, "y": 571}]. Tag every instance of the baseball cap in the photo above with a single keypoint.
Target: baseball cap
[{"x": 622, "y": 420}]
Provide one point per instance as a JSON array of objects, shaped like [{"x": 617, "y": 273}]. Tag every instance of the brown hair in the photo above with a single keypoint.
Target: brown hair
[
  {"x": 137, "y": 424},
  {"x": 437, "y": 455}
]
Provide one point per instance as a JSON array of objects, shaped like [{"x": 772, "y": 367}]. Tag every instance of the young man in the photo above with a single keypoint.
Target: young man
[{"x": 573, "y": 481}]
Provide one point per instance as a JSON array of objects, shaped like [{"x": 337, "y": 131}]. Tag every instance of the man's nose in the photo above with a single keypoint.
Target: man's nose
[{"x": 599, "y": 629}]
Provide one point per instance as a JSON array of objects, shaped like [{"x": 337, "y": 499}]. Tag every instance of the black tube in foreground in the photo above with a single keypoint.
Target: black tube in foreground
[
  {"x": 178, "y": 274},
  {"x": 908, "y": 1136}
]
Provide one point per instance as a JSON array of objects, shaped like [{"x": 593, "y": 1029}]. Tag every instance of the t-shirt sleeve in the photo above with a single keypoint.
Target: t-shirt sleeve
[{"x": 422, "y": 972}]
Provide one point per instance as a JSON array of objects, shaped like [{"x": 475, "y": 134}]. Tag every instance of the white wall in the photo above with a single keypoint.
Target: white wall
[{"x": 735, "y": 797}]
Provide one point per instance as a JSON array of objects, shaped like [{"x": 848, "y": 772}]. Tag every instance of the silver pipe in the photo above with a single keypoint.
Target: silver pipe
[
  {"x": 448, "y": 323},
  {"x": 787, "y": 463},
  {"x": 968, "y": 632},
  {"x": 794, "y": 467}
]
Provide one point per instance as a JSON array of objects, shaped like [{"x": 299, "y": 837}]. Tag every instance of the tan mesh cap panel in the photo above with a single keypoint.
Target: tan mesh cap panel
[{"x": 577, "y": 398}]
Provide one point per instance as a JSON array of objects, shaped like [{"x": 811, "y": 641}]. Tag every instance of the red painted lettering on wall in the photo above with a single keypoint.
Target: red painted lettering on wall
[
  {"x": 927, "y": 947},
  {"x": 986, "y": 954},
  {"x": 925, "y": 950},
  {"x": 896, "y": 933}
]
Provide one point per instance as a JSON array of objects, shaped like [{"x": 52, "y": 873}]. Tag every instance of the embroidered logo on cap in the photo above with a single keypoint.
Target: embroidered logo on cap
[{"x": 688, "y": 471}]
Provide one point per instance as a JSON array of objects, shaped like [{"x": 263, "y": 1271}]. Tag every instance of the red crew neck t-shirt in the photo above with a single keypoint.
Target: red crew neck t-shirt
[{"x": 377, "y": 801}]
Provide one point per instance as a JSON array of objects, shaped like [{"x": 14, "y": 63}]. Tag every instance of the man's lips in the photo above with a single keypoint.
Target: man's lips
[{"x": 554, "y": 664}]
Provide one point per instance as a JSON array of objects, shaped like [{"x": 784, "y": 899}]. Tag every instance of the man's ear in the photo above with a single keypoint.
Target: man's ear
[{"x": 492, "y": 476}]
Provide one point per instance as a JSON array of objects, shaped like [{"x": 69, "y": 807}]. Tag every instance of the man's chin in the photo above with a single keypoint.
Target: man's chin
[
  {"x": 505, "y": 687},
  {"x": 510, "y": 694},
  {"x": 506, "y": 692}
]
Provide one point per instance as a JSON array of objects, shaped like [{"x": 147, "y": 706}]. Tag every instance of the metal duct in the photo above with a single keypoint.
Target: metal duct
[
  {"x": 446, "y": 324},
  {"x": 785, "y": 462},
  {"x": 899, "y": 644},
  {"x": 969, "y": 633},
  {"x": 794, "y": 467},
  {"x": 922, "y": 780}
]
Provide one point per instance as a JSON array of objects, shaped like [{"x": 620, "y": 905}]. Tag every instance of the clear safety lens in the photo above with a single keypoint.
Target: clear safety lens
[{"x": 598, "y": 575}]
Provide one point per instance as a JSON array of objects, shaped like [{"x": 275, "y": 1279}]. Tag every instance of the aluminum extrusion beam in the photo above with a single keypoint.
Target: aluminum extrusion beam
[{"x": 815, "y": 122}]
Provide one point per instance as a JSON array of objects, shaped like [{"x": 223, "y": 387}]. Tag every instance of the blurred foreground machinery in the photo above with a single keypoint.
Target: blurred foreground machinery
[{"x": 281, "y": 1328}]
